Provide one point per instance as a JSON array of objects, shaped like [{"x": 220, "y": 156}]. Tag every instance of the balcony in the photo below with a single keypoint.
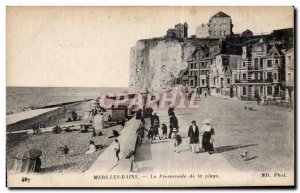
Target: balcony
[
  {"x": 254, "y": 81},
  {"x": 254, "y": 68}
]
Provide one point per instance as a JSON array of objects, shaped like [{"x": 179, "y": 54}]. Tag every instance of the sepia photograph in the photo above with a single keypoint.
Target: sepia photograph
[{"x": 150, "y": 97}]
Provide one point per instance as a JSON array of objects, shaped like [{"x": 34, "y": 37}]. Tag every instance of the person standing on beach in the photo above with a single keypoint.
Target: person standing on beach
[
  {"x": 117, "y": 148},
  {"x": 123, "y": 123},
  {"x": 66, "y": 150},
  {"x": 173, "y": 124},
  {"x": 34, "y": 129},
  {"x": 193, "y": 134}
]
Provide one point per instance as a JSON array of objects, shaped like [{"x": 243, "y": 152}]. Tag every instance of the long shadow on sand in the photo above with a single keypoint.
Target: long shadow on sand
[
  {"x": 251, "y": 158},
  {"x": 231, "y": 147}
]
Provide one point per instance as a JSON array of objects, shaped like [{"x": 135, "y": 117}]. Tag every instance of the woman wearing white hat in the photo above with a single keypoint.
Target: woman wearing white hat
[{"x": 207, "y": 138}]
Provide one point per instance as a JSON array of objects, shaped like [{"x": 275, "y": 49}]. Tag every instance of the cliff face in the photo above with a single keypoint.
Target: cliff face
[{"x": 156, "y": 63}]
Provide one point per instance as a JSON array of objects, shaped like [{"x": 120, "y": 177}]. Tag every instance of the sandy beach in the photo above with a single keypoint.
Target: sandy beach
[{"x": 53, "y": 160}]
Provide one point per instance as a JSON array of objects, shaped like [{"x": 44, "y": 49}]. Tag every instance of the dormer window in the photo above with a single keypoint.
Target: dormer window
[{"x": 269, "y": 63}]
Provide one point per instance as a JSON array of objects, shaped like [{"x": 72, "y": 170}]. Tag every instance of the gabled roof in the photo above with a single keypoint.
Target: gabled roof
[
  {"x": 232, "y": 64},
  {"x": 182, "y": 72},
  {"x": 220, "y": 14},
  {"x": 204, "y": 49},
  {"x": 290, "y": 51},
  {"x": 213, "y": 51},
  {"x": 275, "y": 50}
]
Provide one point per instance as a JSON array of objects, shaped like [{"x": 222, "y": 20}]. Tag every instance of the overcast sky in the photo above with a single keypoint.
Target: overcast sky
[{"x": 90, "y": 46}]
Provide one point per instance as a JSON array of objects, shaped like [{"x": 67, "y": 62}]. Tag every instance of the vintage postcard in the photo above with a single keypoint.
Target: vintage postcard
[{"x": 150, "y": 96}]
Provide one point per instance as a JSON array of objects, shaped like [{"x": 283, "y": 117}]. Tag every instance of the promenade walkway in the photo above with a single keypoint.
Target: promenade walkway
[{"x": 160, "y": 157}]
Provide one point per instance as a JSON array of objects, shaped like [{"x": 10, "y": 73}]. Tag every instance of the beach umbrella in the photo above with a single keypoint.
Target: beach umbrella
[{"x": 29, "y": 154}]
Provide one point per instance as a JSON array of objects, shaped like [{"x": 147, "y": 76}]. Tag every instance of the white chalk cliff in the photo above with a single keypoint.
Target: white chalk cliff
[{"x": 156, "y": 63}]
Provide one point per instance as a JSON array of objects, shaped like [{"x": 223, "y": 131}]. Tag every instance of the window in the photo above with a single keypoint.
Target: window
[
  {"x": 256, "y": 61},
  {"x": 228, "y": 80},
  {"x": 261, "y": 63},
  {"x": 261, "y": 89},
  {"x": 244, "y": 64},
  {"x": 244, "y": 90},
  {"x": 244, "y": 76},
  {"x": 275, "y": 76},
  {"x": 269, "y": 75},
  {"x": 276, "y": 62},
  {"x": 192, "y": 82},
  {"x": 203, "y": 81},
  {"x": 289, "y": 59},
  {"x": 269, "y": 63},
  {"x": 269, "y": 90},
  {"x": 289, "y": 77},
  {"x": 225, "y": 61}
]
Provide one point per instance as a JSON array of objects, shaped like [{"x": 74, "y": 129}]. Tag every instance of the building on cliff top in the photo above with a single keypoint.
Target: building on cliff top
[
  {"x": 202, "y": 31},
  {"x": 179, "y": 31},
  {"x": 219, "y": 25}
]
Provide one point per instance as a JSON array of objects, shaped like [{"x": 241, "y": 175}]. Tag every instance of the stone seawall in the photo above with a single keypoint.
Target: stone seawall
[{"x": 107, "y": 161}]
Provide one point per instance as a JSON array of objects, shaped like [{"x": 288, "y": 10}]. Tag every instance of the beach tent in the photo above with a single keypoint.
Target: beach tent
[
  {"x": 28, "y": 161},
  {"x": 99, "y": 122}
]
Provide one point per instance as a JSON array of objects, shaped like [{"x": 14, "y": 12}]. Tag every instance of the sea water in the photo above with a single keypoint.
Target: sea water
[{"x": 20, "y": 99}]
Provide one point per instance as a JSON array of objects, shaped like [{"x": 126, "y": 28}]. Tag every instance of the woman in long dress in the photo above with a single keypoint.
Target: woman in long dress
[
  {"x": 208, "y": 136},
  {"x": 193, "y": 133}
]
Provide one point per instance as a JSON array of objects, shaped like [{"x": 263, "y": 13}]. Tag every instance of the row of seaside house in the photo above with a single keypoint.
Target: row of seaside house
[{"x": 263, "y": 69}]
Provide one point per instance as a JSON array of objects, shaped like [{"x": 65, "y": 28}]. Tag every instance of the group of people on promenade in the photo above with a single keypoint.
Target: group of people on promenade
[
  {"x": 207, "y": 137},
  {"x": 193, "y": 132}
]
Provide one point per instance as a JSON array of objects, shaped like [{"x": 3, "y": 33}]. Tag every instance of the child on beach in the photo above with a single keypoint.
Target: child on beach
[
  {"x": 92, "y": 148},
  {"x": 177, "y": 141},
  {"x": 117, "y": 148},
  {"x": 150, "y": 134},
  {"x": 66, "y": 150},
  {"x": 164, "y": 131}
]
